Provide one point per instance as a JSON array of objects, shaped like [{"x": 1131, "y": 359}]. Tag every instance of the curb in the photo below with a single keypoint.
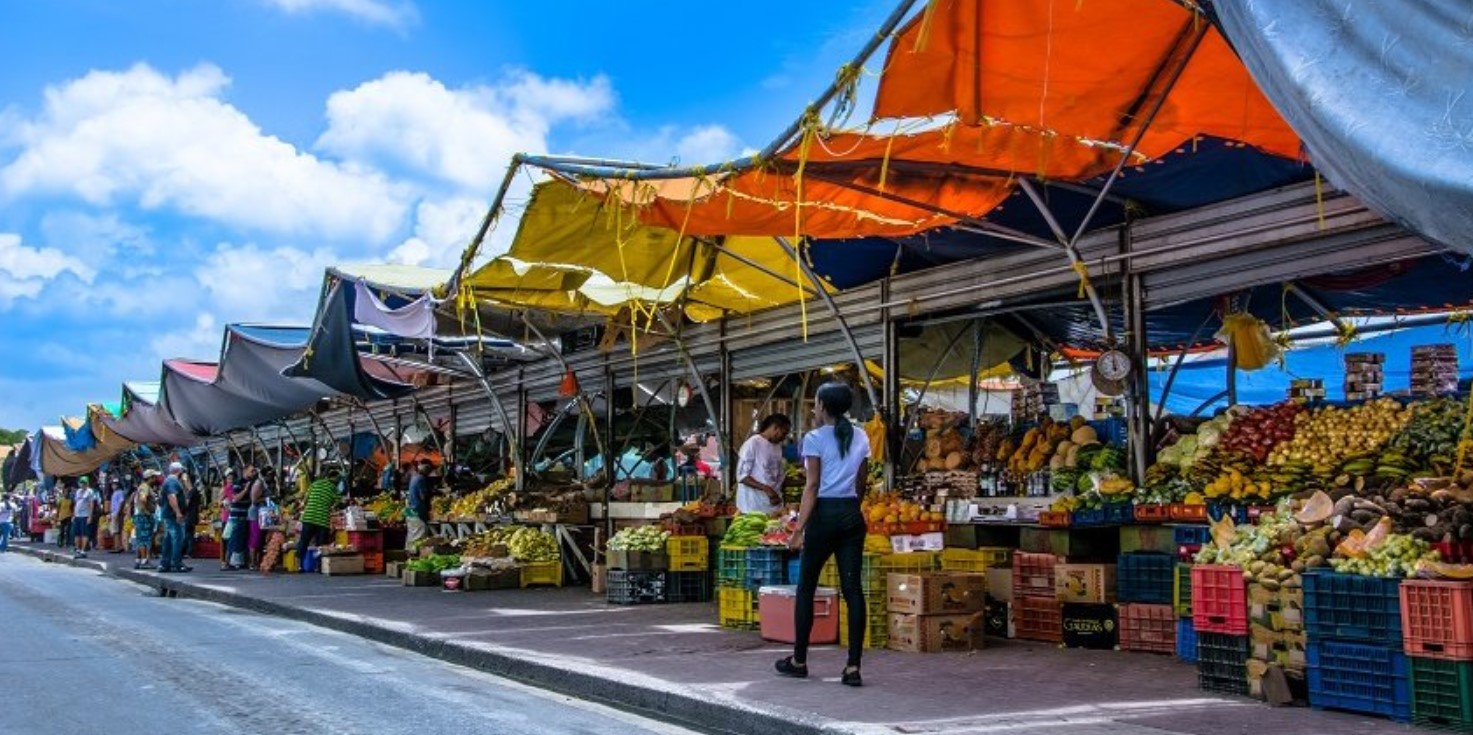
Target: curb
[{"x": 681, "y": 709}]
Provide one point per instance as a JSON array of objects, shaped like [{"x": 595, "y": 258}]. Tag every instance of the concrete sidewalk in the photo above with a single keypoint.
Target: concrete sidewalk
[{"x": 672, "y": 661}]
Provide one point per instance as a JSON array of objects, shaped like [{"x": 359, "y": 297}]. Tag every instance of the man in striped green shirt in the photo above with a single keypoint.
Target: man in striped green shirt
[{"x": 322, "y": 495}]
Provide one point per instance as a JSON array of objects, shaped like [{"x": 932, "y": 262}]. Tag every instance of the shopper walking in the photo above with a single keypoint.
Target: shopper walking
[
  {"x": 144, "y": 505},
  {"x": 322, "y": 495},
  {"x": 417, "y": 505},
  {"x": 760, "y": 467},
  {"x": 256, "y": 489},
  {"x": 115, "y": 516},
  {"x": 84, "y": 503},
  {"x": 64, "y": 501},
  {"x": 7, "y": 521},
  {"x": 193, "y": 500},
  {"x": 171, "y": 503},
  {"x": 237, "y": 521},
  {"x": 830, "y": 523}
]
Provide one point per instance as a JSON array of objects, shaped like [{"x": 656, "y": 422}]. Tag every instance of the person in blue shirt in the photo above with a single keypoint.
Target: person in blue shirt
[
  {"x": 171, "y": 506},
  {"x": 417, "y": 504}
]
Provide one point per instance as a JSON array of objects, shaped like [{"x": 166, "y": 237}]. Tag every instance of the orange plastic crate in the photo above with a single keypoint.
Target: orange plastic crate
[
  {"x": 1437, "y": 619},
  {"x": 1038, "y": 619},
  {"x": 1054, "y": 519},
  {"x": 1148, "y": 628},
  {"x": 1152, "y": 513},
  {"x": 1188, "y": 513},
  {"x": 1033, "y": 574}
]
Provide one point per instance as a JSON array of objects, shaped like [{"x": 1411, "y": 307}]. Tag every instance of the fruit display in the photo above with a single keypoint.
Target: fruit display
[
  {"x": 437, "y": 563},
  {"x": 746, "y": 530},
  {"x": 1328, "y": 437},
  {"x": 987, "y": 438},
  {"x": 529, "y": 544},
  {"x": 944, "y": 444},
  {"x": 1432, "y": 436},
  {"x": 479, "y": 502},
  {"x": 882, "y": 508},
  {"x": 1273, "y": 552},
  {"x": 386, "y": 508},
  {"x": 649, "y": 539},
  {"x": 1163, "y": 484},
  {"x": 1397, "y": 555},
  {"x": 1257, "y": 431},
  {"x": 440, "y": 507}
]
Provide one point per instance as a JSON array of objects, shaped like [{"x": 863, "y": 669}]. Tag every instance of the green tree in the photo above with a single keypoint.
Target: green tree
[{"x": 12, "y": 436}]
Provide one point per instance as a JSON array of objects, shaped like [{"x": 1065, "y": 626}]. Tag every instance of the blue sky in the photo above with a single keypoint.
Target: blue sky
[{"x": 170, "y": 166}]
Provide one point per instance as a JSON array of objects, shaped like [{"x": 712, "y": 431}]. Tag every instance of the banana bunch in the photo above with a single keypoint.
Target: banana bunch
[{"x": 529, "y": 544}]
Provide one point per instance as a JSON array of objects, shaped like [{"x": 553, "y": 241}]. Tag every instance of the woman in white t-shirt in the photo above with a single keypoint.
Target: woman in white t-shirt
[
  {"x": 830, "y": 523},
  {"x": 760, "y": 467}
]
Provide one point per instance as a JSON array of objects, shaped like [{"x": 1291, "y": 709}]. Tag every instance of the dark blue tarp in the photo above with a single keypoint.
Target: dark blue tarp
[{"x": 332, "y": 355}]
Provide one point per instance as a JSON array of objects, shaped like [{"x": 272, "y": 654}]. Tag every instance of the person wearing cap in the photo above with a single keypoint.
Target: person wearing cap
[
  {"x": 84, "y": 501},
  {"x": 143, "y": 505},
  {"x": 171, "y": 502},
  {"x": 417, "y": 504}
]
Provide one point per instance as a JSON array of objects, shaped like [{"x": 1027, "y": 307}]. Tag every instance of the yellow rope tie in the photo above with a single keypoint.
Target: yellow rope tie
[
  {"x": 885, "y": 162},
  {"x": 690, "y": 205},
  {"x": 946, "y": 134},
  {"x": 1319, "y": 200},
  {"x": 1347, "y": 334},
  {"x": 923, "y": 34},
  {"x": 1083, "y": 271},
  {"x": 810, "y": 130}
]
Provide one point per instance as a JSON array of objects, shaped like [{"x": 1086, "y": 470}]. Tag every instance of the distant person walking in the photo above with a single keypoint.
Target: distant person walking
[
  {"x": 115, "y": 516},
  {"x": 144, "y": 506},
  {"x": 172, "y": 501},
  {"x": 7, "y": 521},
  {"x": 64, "y": 514},
  {"x": 85, "y": 502}
]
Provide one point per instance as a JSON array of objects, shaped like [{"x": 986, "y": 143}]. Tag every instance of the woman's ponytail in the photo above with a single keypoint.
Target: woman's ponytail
[{"x": 836, "y": 399}]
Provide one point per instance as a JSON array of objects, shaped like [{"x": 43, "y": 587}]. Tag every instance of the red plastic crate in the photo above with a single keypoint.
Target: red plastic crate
[
  {"x": 1219, "y": 600},
  {"x": 1054, "y": 519},
  {"x": 1148, "y": 628},
  {"x": 1152, "y": 513},
  {"x": 1033, "y": 574},
  {"x": 366, "y": 541},
  {"x": 1437, "y": 619},
  {"x": 1038, "y": 619},
  {"x": 1188, "y": 513}
]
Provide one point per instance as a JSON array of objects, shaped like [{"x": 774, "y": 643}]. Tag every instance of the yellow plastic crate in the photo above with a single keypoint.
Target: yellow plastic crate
[
  {"x": 340, "y": 538},
  {"x": 542, "y": 572},
  {"x": 688, "y": 553},
  {"x": 877, "y": 566},
  {"x": 876, "y": 624},
  {"x": 975, "y": 560},
  {"x": 289, "y": 561},
  {"x": 737, "y": 608}
]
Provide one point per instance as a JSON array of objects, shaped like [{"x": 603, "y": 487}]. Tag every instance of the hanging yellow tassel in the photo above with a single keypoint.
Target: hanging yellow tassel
[
  {"x": 1083, "y": 271},
  {"x": 1319, "y": 199}
]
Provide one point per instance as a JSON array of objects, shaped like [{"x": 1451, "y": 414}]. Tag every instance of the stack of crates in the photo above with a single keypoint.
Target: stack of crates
[
  {"x": 1037, "y": 613},
  {"x": 1276, "y": 630},
  {"x": 1437, "y": 637},
  {"x": 1220, "y": 620},
  {"x": 1356, "y": 661},
  {"x": 689, "y": 577},
  {"x": 1189, "y": 539},
  {"x": 736, "y": 602},
  {"x": 873, "y": 582},
  {"x": 1144, "y": 581}
]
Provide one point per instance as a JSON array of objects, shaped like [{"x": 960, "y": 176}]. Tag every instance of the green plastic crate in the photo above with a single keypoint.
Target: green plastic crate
[
  {"x": 1181, "y": 590},
  {"x": 1442, "y": 694}
]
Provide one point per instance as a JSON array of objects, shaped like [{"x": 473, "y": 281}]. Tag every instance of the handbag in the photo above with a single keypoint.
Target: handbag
[
  {"x": 269, "y": 517},
  {"x": 229, "y": 530}
]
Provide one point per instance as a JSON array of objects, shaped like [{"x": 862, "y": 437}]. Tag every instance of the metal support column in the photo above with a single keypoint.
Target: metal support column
[
  {"x": 894, "y": 440},
  {"x": 1138, "y": 392}
]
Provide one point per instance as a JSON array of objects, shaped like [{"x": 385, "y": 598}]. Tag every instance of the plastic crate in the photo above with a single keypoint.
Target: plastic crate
[
  {"x": 1087, "y": 518},
  {"x": 1033, "y": 574},
  {"x": 1184, "y": 513},
  {"x": 542, "y": 573},
  {"x": 1145, "y": 576},
  {"x": 685, "y": 587},
  {"x": 1147, "y": 628},
  {"x": 1055, "y": 519},
  {"x": 1349, "y": 607},
  {"x": 366, "y": 541},
  {"x": 635, "y": 588},
  {"x": 877, "y": 567},
  {"x": 1181, "y": 590},
  {"x": 876, "y": 623},
  {"x": 1192, "y": 535},
  {"x": 1356, "y": 677},
  {"x": 1219, "y": 600},
  {"x": 1119, "y": 513},
  {"x": 1038, "y": 619},
  {"x": 688, "y": 553},
  {"x": 1153, "y": 513},
  {"x": 766, "y": 565},
  {"x": 1222, "y": 663},
  {"x": 1239, "y": 513},
  {"x": 1442, "y": 693},
  {"x": 795, "y": 568},
  {"x": 737, "y": 608},
  {"x": 1186, "y": 640},
  {"x": 731, "y": 566},
  {"x": 373, "y": 562},
  {"x": 974, "y": 560},
  {"x": 1437, "y": 619}
]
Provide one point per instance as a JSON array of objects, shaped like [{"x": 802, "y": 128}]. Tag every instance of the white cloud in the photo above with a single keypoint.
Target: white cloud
[
  {"x": 175, "y": 143},
  {"x": 24, "y": 271},
  {"x": 247, "y": 283},
  {"x": 465, "y": 136},
  {"x": 376, "y": 12},
  {"x": 199, "y": 341},
  {"x": 707, "y": 144}
]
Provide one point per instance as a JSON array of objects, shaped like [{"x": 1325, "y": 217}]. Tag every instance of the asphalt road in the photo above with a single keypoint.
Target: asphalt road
[{"x": 82, "y": 653}]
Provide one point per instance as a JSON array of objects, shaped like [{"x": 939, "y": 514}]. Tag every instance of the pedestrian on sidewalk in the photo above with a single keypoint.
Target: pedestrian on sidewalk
[
  {"x": 322, "y": 495},
  {"x": 115, "y": 516},
  {"x": 143, "y": 506},
  {"x": 830, "y": 523},
  {"x": 417, "y": 505},
  {"x": 193, "y": 499},
  {"x": 64, "y": 514},
  {"x": 7, "y": 521},
  {"x": 259, "y": 493},
  {"x": 237, "y": 523},
  {"x": 227, "y": 497},
  {"x": 85, "y": 502},
  {"x": 171, "y": 503}
]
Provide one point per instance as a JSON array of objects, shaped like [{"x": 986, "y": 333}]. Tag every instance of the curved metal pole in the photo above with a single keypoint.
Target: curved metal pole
[
  {"x": 722, "y": 441},
  {"x": 512, "y": 432},
  {"x": 1208, "y": 402},
  {"x": 327, "y": 431},
  {"x": 429, "y": 422},
  {"x": 1175, "y": 368},
  {"x": 828, "y": 301},
  {"x": 583, "y": 402}
]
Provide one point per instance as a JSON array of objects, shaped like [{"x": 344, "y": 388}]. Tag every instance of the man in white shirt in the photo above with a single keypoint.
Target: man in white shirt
[
  {"x": 83, "y": 504},
  {"x": 760, "y": 467}
]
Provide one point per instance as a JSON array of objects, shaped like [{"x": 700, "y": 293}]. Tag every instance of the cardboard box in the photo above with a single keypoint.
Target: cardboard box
[
  {"x": 1090, "y": 625},
  {"x": 413, "y": 578},
  {"x": 937, "y": 633},
  {"x": 1085, "y": 582},
  {"x": 429, "y": 550},
  {"x": 999, "y": 620},
  {"x": 394, "y": 569},
  {"x": 639, "y": 561},
  {"x": 478, "y": 580},
  {"x": 349, "y": 564},
  {"x": 934, "y": 593},
  {"x": 1000, "y": 584}
]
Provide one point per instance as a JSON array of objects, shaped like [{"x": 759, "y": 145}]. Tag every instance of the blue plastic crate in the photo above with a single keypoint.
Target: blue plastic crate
[
  {"x": 1123, "y": 513},
  {"x": 1192, "y": 535},
  {"x": 1087, "y": 518},
  {"x": 1352, "y": 608},
  {"x": 1145, "y": 576},
  {"x": 1186, "y": 640},
  {"x": 794, "y": 567},
  {"x": 1216, "y": 511},
  {"x": 766, "y": 566},
  {"x": 1360, "y": 678},
  {"x": 1113, "y": 430}
]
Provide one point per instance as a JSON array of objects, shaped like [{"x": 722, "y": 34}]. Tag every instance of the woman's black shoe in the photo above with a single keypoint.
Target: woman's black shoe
[
  {"x": 851, "y": 677},
  {"x": 786, "y": 667}
]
